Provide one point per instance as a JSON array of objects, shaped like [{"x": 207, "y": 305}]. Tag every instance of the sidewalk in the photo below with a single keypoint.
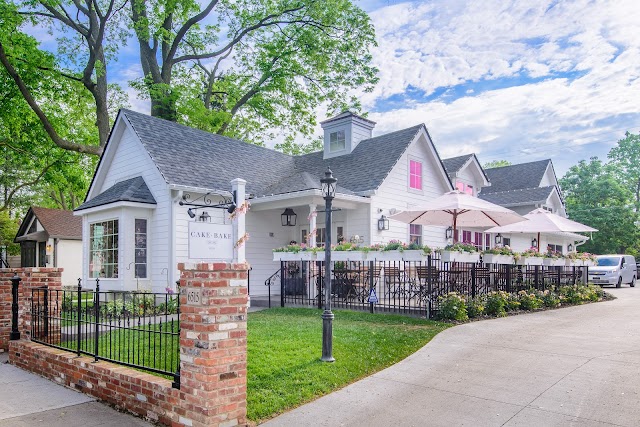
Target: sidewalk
[{"x": 27, "y": 400}]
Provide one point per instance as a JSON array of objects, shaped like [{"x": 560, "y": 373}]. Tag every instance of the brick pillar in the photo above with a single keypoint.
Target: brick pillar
[
  {"x": 213, "y": 344},
  {"x": 32, "y": 277}
]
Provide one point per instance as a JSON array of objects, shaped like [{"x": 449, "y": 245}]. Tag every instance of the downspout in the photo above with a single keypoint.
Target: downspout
[
  {"x": 55, "y": 252},
  {"x": 172, "y": 267}
]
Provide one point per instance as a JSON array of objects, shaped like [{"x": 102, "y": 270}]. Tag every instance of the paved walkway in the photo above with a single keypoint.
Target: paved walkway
[
  {"x": 28, "y": 400},
  {"x": 577, "y": 366}
]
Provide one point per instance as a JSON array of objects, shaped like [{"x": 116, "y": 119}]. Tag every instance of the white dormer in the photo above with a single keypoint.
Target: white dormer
[{"x": 343, "y": 133}]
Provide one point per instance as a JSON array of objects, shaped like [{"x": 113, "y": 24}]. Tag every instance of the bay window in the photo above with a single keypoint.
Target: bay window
[{"x": 103, "y": 256}]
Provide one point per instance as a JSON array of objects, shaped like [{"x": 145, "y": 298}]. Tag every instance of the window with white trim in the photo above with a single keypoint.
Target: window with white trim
[
  {"x": 321, "y": 237},
  {"x": 103, "y": 256},
  {"x": 337, "y": 141},
  {"x": 415, "y": 175},
  {"x": 141, "y": 248},
  {"x": 415, "y": 233}
]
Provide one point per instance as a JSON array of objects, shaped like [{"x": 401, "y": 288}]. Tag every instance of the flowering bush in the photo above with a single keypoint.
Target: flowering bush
[
  {"x": 529, "y": 300},
  {"x": 495, "y": 303},
  {"x": 344, "y": 246},
  {"x": 553, "y": 255},
  {"x": 475, "y": 307},
  {"x": 460, "y": 247},
  {"x": 394, "y": 245},
  {"x": 499, "y": 250},
  {"x": 531, "y": 252},
  {"x": 549, "y": 298},
  {"x": 453, "y": 307},
  {"x": 582, "y": 256}
]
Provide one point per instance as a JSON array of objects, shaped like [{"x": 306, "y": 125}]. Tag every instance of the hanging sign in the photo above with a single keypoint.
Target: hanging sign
[
  {"x": 210, "y": 241},
  {"x": 373, "y": 298}
]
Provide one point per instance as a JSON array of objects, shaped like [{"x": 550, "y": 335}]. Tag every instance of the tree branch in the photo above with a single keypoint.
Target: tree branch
[
  {"x": 7, "y": 201},
  {"x": 264, "y": 22},
  {"x": 186, "y": 27},
  {"x": 60, "y": 142}
]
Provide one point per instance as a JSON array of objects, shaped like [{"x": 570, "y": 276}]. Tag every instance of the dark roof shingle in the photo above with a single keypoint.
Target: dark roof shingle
[
  {"x": 523, "y": 196},
  {"x": 454, "y": 164},
  {"x": 195, "y": 158},
  {"x": 516, "y": 177},
  {"x": 130, "y": 190}
]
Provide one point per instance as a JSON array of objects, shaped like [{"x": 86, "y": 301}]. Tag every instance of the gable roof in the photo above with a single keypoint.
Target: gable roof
[
  {"x": 516, "y": 177},
  {"x": 130, "y": 190},
  {"x": 57, "y": 224},
  {"x": 195, "y": 158},
  {"x": 525, "y": 196},
  {"x": 454, "y": 164}
]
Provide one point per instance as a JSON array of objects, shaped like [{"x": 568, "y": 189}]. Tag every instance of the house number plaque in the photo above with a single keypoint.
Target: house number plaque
[{"x": 194, "y": 296}]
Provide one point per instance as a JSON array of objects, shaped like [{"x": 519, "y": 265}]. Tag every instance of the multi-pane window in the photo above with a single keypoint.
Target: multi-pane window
[
  {"x": 554, "y": 248},
  {"x": 415, "y": 233},
  {"x": 465, "y": 188},
  {"x": 103, "y": 238},
  {"x": 337, "y": 141},
  {"x": 141, "y": 248},
  {"x": 321, "y": 237},
  {"x": 506, "y": 241},
  {"x": 477, "y": 240},
  {"x": 415, "y": 175}
]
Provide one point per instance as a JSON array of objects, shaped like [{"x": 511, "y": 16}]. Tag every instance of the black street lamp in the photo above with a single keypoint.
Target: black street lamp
[{"x": 328, "y": 192}]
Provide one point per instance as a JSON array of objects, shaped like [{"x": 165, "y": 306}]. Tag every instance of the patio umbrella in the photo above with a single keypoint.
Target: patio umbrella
[
  {"x": 543, "y": 221},
  {"x": 459, "y": 209}
]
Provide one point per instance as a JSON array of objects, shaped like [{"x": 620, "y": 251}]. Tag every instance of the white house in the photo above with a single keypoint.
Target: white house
[
  {"x": 52, "y": 238},
  {"x": 136, "y": 231},
  {"x": 158, "y": 182}
]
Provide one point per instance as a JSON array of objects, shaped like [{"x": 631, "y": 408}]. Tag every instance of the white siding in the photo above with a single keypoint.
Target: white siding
[
  {"x": 69, "y": 257},
  {"x": 130, "y": 160},
  {"x": 394, "y": 193}
]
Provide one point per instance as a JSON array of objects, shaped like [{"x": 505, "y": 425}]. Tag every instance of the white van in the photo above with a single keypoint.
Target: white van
[{"x": 614, "y": 270}]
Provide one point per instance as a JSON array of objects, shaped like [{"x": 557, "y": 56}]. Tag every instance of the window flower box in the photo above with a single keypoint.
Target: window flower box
[
  {"x": 553, "y": 262},
  {"x": 298, "y": 256},
  {"x": 579, "y": 263},
  {"x": 497, "y": 259},
  {"x": 530, "y": 260},
  {"x": 386, "y": 256},
  {"x": 347, "y": 256},
  {"x": 414, "y": 255},
  {"x": 455, "y": 256}
]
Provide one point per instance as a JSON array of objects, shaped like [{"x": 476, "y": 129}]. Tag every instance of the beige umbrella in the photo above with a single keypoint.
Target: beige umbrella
[
  {"x": 460, "y": 210},
  {"x": 543, "y": 221}
]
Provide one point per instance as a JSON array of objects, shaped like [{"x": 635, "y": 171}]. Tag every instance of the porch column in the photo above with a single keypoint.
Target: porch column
[
  {"x": 238, "y": 185},
  {"x": 312, "y": 226}
]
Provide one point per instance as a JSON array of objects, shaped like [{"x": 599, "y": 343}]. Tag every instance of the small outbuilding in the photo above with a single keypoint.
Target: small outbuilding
[{"x": 52, "y": 238}]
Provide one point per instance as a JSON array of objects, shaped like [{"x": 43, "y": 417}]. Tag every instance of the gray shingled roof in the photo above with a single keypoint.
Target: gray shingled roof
[
  {"x": 195, "y": 158},
  {"x": 516, "y": 177},
  {"x": 454, "y": 164},
  {"x": 131, "y": 190},
  {"x": 525, "y": 196}
]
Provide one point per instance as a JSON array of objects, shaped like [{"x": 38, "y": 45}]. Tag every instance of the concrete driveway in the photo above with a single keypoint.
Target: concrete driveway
[{"x": 577, "y": 366}]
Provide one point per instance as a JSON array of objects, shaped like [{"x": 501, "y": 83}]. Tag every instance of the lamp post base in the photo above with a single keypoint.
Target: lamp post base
[
  {"x": 327, "y": 336},
  {"x": 14, "y": 336}
]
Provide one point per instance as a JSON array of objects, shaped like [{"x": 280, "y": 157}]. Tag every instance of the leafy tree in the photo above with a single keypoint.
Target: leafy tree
[
  {"x": 31, "y": 166},
  {"x": 8, "y": 231},
  {"x": 596, "y": 198},
  {"x": 241, "y": 68},
  {"x": 625, "y": 158},
  {"x": 496, "y": 164}
]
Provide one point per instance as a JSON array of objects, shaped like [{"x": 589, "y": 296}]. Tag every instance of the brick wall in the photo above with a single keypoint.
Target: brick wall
[
  {"x": 213, "y": 348},
  {"x": 31, "y": 278}
]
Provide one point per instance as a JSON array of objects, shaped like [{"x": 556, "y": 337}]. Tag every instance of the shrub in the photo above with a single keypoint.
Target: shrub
[
  {"x": 495, "y": 303},
  {"x": 529, "y": 300},
  {"x": 475, "y": 307},
  {"x": 452, "y": 307},
  {"x": 512, "y": 302},
  {"x": 549, "y": 298}
]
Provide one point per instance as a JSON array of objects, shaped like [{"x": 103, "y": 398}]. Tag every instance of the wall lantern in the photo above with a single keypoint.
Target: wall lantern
[
  {"x": 205, "y": 217},
  {"x": 383, "y": 223},
  {"x": 534, "y": 243},
  {"x": 498, "y": 239},
  {"x": 328, "y": 185},
  {"x": 570, "y": 248},
  {"x": 288, "y": 218},
  {"x": 191, "y": 213},
  {"x": 449, "y": 233},
  {"x": 49, "y": 249}
]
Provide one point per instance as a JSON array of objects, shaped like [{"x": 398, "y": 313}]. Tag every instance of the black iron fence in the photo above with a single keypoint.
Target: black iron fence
[
  {"x": 407, "y": 287},
  {"x": 136, "y": 329}
]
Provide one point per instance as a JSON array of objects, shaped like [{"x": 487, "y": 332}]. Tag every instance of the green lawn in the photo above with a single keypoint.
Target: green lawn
[{"x": 285, "y": 345}]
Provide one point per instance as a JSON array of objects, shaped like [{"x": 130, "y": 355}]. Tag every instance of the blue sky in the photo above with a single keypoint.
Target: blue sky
[{"x": 514, "y": 80}]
